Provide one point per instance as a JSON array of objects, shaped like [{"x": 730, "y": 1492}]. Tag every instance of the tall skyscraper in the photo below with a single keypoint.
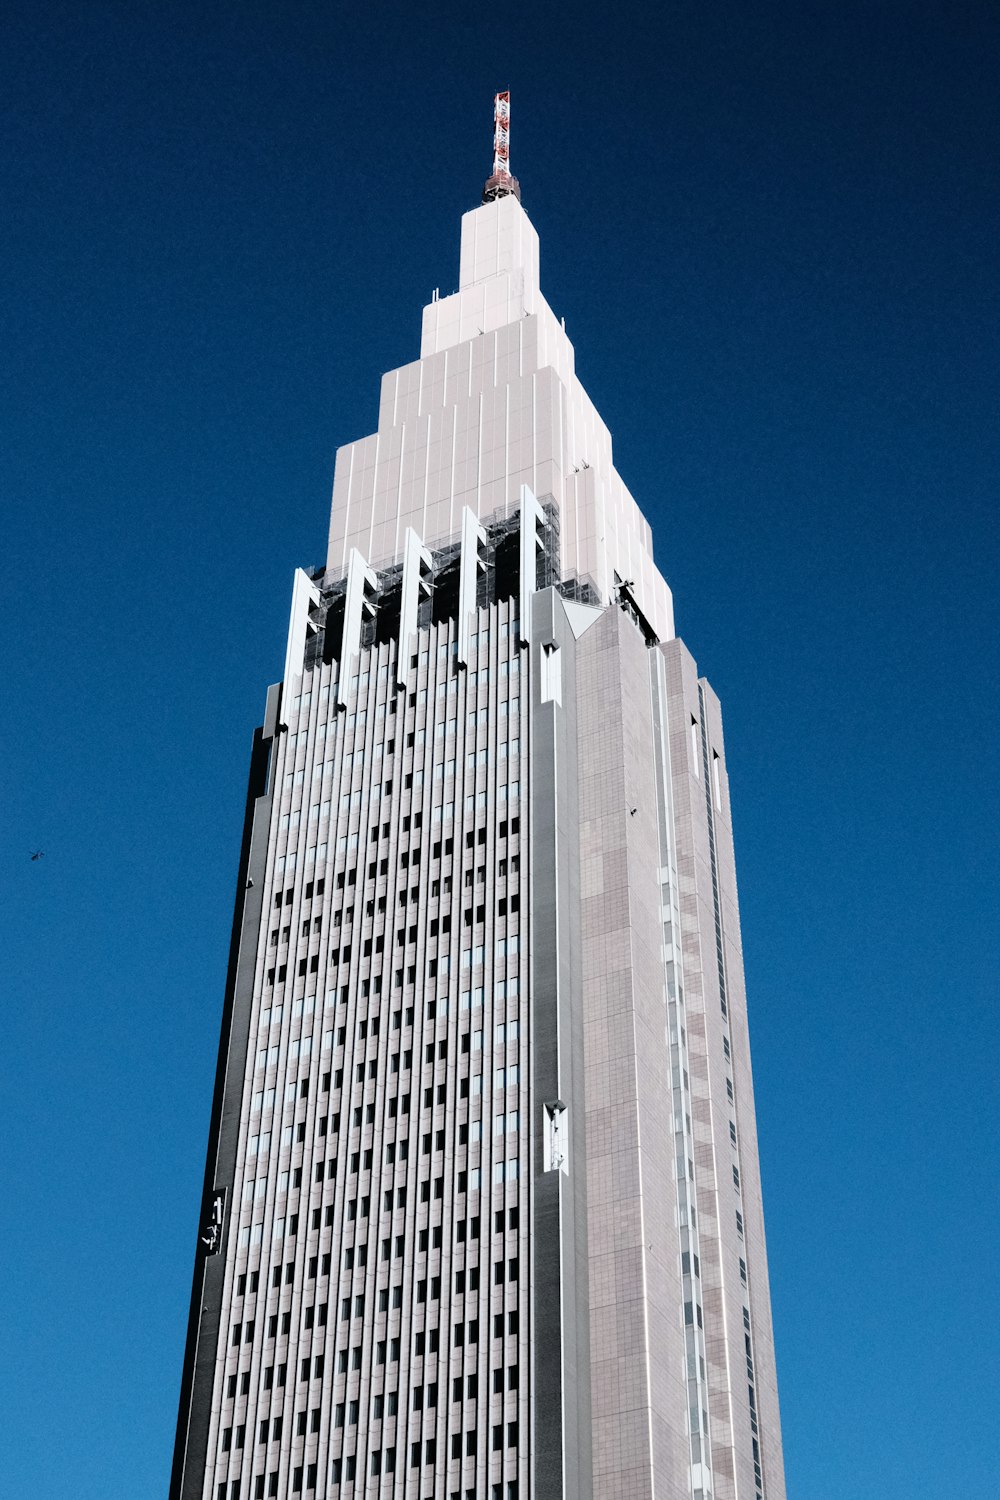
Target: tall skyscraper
[{"x": 482, "y": 1213}]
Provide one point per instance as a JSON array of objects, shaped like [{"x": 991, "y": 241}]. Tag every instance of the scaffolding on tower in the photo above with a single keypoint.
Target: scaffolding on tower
[{"x": 501, "y": 184}]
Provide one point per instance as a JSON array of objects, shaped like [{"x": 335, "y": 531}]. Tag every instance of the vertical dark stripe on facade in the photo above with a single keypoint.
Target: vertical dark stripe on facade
[
  {"x": 194, "y": 1417},
  {"x": 561, "y": 1451}
]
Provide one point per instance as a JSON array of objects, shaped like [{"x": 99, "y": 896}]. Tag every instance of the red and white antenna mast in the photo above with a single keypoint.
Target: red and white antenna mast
[
  {"x": 501, "y": 184},
  {"x": 501, "y": 135}
]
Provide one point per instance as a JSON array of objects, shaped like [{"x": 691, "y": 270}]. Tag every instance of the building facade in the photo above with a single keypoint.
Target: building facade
[{"x": 482, "y": 1212}]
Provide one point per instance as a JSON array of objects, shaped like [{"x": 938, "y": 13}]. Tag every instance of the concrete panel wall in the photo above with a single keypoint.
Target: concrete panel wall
[
  {"x": 733, "y": 1259},
  {"x": 640, "y": 1445}
]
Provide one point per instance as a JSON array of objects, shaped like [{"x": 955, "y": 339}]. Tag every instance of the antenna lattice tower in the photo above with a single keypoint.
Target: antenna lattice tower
[
  {"x": 501, "y": 183},
  {"x": 501, "y": 135}
]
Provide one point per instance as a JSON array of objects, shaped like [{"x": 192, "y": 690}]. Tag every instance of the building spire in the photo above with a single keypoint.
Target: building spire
[{"x": 501, "y": 184}]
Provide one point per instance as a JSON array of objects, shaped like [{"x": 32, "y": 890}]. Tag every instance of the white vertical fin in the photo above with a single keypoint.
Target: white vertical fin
[
  {"x": 362, "y": 585},
  {"x": 473, "y": 538},
  {"x": 304, "y": 594},
  {"x": 532, "y": 517},
  {"x": 418, "y": 569}
]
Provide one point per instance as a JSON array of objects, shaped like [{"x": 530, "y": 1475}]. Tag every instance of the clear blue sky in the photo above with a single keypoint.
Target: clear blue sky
[{"x": 773, "y": 231}]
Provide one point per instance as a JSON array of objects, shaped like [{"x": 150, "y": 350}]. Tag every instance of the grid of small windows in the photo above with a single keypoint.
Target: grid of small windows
[{"x": 380, "y": 1223}]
